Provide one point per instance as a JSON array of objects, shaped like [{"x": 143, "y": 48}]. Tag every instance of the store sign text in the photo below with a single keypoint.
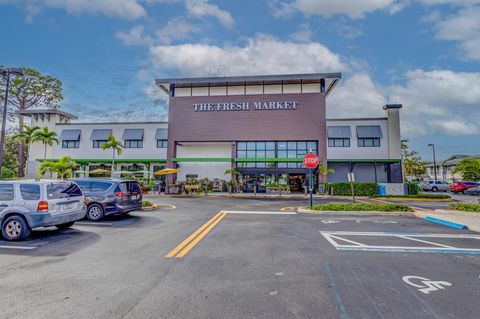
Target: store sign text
[{"x": 245, "y": 106}]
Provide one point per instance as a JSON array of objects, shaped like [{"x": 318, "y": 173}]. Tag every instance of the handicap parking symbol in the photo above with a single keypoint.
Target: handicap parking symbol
[{"x": 425, "y": 285}]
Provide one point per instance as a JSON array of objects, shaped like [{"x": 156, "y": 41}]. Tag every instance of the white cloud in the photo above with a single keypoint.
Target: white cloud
[
  {"x": 434, "y": 102},
  {"x": 202, "y": 8},
  {"x": 176, "y": 29},
  {"x": 261, "y": 54},
  {"x": 463, "y": 27},
  {"x": 134, "y": 36},
  {"x": 128, "y": 9},
  {"x": 304, "y": 34},
  {"x": 353, "y": 9}
]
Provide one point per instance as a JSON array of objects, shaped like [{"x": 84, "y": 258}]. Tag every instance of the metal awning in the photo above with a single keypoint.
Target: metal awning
[
  {"x": 161, "y": 134},
  {"x": 133, "y": 134},
  {"x": 339, "y": 131},
  {"x": 100, "y": 134},
  {"x": 369, "y": 131},
  {"x": 70, "y": 135}
]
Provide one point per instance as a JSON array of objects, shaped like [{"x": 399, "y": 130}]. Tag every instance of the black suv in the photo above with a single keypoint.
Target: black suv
[{"x": 110, "y": 197}]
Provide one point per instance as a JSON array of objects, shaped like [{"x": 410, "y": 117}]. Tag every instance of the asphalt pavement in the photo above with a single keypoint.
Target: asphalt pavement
[{"x": 242, "y": 258}]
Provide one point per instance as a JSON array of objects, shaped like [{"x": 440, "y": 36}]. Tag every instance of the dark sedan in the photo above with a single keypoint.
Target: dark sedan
[{"x": 110, "y": 197}]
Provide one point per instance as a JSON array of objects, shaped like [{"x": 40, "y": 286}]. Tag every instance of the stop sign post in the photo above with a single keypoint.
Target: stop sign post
[{"x": 310, "y": 161}]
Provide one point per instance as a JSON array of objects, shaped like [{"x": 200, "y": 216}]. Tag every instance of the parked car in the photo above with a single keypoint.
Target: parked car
[
  {"x": 107, "y": 197},
  {"x": 461, "y": 187},
  {"x": 30, "y": 204},
  {"x": 473, "y": 191},
  {"x": 434, "y": 186}
]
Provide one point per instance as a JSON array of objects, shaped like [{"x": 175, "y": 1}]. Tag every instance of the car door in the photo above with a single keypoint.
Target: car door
[{"x": 7, "y": 196}]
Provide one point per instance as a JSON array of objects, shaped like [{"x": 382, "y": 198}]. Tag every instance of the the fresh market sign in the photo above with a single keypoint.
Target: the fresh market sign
[{"x": 245, "y": 106}]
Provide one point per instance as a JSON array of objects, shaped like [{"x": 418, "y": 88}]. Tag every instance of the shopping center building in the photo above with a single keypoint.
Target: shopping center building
[{"x": 260, "y": 125}]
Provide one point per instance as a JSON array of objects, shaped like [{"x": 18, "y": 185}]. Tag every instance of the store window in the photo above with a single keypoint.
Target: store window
[
  {"x": 133, "y": 143},
  {"x": 369, "y": 142},
  {"x": 99, "y": 143},
  {"x": 70, "y": 144},
  {"x": 162, "y": 143},
  {"x": 338, "y": 142}
]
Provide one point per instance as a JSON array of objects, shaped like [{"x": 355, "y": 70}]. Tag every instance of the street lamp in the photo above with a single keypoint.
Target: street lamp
[
  {"x": 434, "y": 162},
  {"x": 6, "y": 72}
]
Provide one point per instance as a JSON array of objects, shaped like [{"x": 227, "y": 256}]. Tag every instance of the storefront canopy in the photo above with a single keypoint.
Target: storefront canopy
[
  {"x": 339, "y": 131},
  {"x": 133, "y": 134},
  {"x": 100, "y": 134},
  {"x": 70, "y": 135},
  {"x": 161, "y": 134},
  {"x": 369, "y": 131}
]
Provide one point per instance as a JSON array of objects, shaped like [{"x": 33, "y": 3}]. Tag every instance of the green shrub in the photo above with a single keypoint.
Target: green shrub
[
  {"x": 362, "y": 207},
  {"x": 428, "y": 196},
  {"x": 413, "y": 188},
  {"x": 344, "y": 189},
  {"x": 147, "y": 203},
  {"x": 467, "y": 207}
]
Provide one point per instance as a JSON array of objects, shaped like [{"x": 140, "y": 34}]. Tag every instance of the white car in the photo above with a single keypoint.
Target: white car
[{"x": 434, "y": 186}]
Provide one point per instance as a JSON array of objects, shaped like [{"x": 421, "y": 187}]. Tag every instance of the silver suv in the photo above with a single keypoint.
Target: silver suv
[
  {"x": 29, "y": 204},
  {"x": 434, "y": 186}
]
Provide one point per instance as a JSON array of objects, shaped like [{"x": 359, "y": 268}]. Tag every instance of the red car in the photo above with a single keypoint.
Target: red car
[{"x": 460, "y": 187}]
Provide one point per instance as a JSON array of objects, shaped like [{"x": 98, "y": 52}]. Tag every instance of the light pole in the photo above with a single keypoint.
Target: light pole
[
  {"x": 434, "y": 162},
  {"x": 6, "y": 72}
]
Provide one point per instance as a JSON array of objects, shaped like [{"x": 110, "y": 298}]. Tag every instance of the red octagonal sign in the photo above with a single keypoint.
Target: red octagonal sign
[{"x": 310, "y": 160}]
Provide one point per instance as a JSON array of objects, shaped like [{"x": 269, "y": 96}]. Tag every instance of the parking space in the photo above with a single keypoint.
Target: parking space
[{"x": 236, "y": 258}]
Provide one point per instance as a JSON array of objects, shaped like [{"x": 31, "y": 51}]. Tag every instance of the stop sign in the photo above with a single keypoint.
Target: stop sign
[{"x": 310, "y": 160}]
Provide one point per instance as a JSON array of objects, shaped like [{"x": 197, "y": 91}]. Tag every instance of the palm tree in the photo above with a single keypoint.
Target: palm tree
[
  {"x": 26, "y": 136},
  {"x": 115, "y": 145},
  {"x": 404, "y": 146},
  {"x": 63, "y": 167},
  {"x": 47, "y": 137},
  {"x": 323, "y": 170}
]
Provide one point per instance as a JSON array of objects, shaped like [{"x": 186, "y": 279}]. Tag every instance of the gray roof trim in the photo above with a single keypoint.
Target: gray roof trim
[
  {"x": 369, "y": 131},
  {"x": 360, "y": 119},
  {"x": 339, "y": 131},
  {"x": 111, "y": 123},
  {"x": 100, "y": 134},
  {"x": 46, "y": 111},
  {"x": 164, "y": 83},
  {"x": 161, "y": 134},
  {"x": 133, "y": 134},
  {"x": 70, "y": 135}
]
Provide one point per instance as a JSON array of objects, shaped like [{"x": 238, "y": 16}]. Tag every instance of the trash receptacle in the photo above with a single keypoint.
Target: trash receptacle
[{"x": 382, "y": 190}]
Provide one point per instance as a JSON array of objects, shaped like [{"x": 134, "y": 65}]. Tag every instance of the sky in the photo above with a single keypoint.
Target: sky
[{"x": 424, "y": 54}]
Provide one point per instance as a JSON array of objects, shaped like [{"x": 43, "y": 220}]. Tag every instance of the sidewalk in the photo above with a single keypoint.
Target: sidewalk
[{"x": 471, "y": 220}]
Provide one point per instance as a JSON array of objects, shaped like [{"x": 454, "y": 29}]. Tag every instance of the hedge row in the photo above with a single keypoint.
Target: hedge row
[
  {"x": 344, "y": 189},
  {"x": 362, "y": 207},
  {"x": 466, "y": 207},
  {"x": 427, "y": 196}
]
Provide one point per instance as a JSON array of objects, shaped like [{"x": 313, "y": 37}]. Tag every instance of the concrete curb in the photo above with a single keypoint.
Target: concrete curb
[
  {"x": 445, "y": 223},
  {"x": 317, "y": 212},
  {"x": 453, "y": 217}
]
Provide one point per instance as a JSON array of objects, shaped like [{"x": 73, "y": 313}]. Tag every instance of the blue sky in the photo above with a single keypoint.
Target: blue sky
[{"x": 424, "y": 54}]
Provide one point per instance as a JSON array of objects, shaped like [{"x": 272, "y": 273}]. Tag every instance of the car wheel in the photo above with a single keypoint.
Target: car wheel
[
  {"x": 95, "y": 212},
  {"x": 65, "y": 226},
  {"x": 434, "y": 189},
  {"x": 15, "y": 228},
  {"x": 463, "y": 192}
]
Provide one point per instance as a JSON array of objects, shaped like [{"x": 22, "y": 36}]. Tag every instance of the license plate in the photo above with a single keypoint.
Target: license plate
[
  {"x": 135, "y": 197},
  {"x": 68, "y": 206}
]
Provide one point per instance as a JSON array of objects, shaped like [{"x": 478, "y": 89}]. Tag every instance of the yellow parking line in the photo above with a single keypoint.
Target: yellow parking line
[
  {"x": 192, "y": 236},
  {"x": 200, "y": 237}
]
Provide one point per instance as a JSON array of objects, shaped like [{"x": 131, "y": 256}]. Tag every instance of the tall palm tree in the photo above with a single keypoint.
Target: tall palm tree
[
  {"x": 26, "y": 136},
  {"x": 323, "y": 170},
  {"x": 115, "y": 145},
  {"x": 47, "y": 137}
]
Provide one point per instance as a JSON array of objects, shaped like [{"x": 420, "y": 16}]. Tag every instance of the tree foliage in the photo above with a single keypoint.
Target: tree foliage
[
  {"x": 413, "y": 165},
  {"x": 63, "y": 167},
  {"x": 469, "y": 169},
  {"x": 47, "y": 137},
  {"x": 115, "y": 145}
]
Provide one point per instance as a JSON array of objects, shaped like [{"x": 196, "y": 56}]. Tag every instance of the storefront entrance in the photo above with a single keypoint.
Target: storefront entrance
[{"x": 296, "y": 182}]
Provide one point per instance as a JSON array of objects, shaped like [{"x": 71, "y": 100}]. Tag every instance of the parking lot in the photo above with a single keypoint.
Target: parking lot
[{"x": 242, "y": 258}]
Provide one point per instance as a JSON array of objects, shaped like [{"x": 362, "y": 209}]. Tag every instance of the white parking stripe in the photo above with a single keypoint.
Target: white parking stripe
[
  {"x": 93, "y": 224},
  {"x": 17, "y": 247},
  {"x": 258, "y": 212},
  {"x": 424, "y": 241},
  {"x": 347, "y": 240}
]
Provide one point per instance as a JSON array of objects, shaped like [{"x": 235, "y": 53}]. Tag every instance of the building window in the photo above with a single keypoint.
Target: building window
[
  {"x": 70, "y": 144},
  {"x": 369, "y": 142},
  {"x": 162, "y": 143},
  {"x": 133, "y": 143},
  {"x": 99, "y": 143},
  {"x": 338, "y": 142}
]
